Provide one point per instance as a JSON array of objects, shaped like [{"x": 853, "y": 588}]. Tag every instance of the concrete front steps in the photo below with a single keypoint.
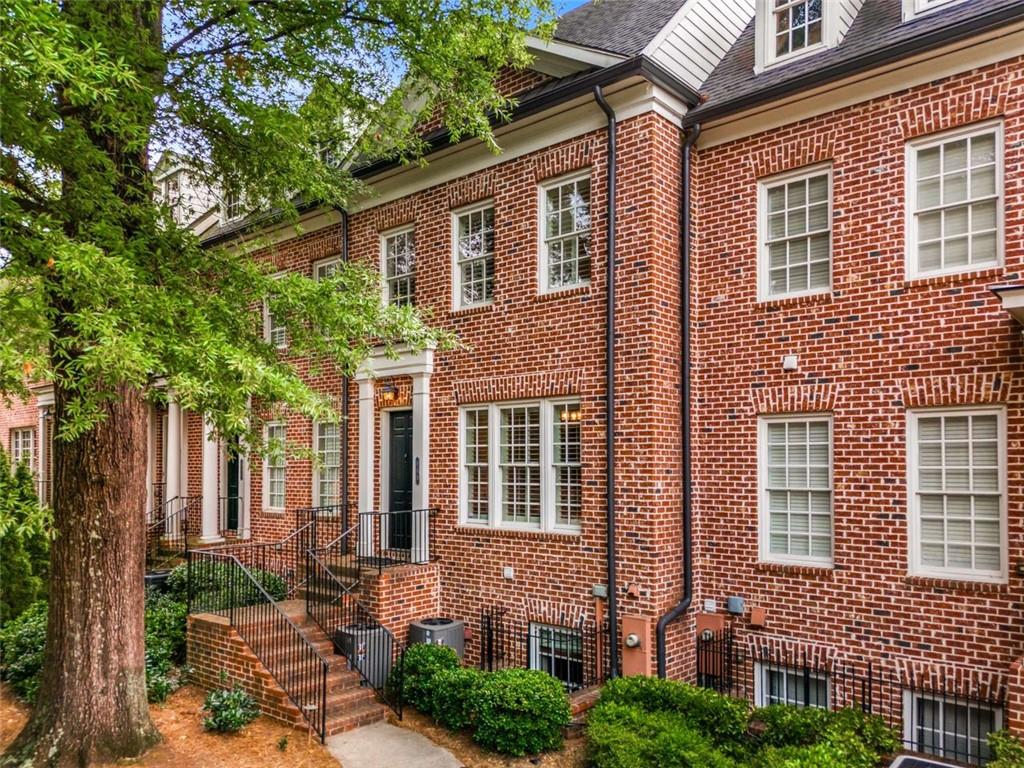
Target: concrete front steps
[{"x": 215, "y": 645}]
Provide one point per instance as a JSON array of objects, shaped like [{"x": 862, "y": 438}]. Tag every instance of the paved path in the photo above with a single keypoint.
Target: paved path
[{"x": 383, "y": 745}]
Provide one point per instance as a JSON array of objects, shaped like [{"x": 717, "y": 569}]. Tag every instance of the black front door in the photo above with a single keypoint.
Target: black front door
[
  {"x": 233, "y": 500},
  {"x": 400, "y": 480}
]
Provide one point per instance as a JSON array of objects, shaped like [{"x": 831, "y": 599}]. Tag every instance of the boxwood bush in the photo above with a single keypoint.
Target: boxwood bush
[
  {"x": 212, "y": 582},
  {"x": 455, "y": 697},
  {"x": 416, "y": 671},
  {"x": 21, "y": 651},
  {"x": 520, "y": 712}
]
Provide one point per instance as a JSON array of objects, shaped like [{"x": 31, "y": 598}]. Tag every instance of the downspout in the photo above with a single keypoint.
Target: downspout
[
  {"x": 344, "y": 395},
  {"x": 683, "y": 605},
  {"x": 609, "y": 375}
]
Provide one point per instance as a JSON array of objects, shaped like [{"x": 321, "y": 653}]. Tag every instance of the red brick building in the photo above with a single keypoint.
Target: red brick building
[{"x": 846, "y": 377}]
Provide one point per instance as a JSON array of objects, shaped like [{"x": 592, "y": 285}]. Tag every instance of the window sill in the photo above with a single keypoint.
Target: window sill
[
  {"x": 516, "y": 533},
  {"x": 956, "y": 585},
  {"x": 274, "y": 512},
  {"x": 951, "y": 278},
  {"x": 562, "y": 293},
  {"x": 796, "y": 569},
  {"x": 803, "y": 299},
  {"x": 475, "y": 309}
]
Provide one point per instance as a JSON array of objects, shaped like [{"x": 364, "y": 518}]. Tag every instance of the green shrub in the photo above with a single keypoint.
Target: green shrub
[
  {"x": 230, "y": 710},
  {"x": 871, "y": 730},
  {"x": 212, "y": 582},
  {"x": 165, "y": 626},
  {"x": 627, "y": 736},
  {"x": 791, "y": 726},
  {"x": 1007, "y": 749},
  {"x": 416, "y": 671},
  {"x": 21, "y": 651},
  {"x": 721, "y": 719},
  {"x": 24, "y": 541},
  {"x": 520, "y": 712},
  {"x": 847, "y": 738},
  {"x": 454, "y": 698}
]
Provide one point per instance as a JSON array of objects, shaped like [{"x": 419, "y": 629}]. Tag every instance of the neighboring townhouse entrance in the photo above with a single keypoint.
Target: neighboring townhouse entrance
[
  {"x": 233, "y": 483},
  {"x": 400, "y": 479}
]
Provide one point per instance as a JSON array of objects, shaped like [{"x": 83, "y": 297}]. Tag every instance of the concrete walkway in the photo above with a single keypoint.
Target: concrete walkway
[{"x": 383, "y": 745}]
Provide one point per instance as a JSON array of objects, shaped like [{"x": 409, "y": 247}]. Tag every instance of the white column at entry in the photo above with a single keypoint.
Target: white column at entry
[
  {"x": 172, "y": 466},
  {"x": 211, "y": 456},
  {"x": 41, "y": 457},
  {"x": 366, "y": 463},
  {"x": 420, "y": 467}
]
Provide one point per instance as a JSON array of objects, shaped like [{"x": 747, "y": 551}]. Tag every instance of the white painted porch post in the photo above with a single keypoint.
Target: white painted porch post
[
  {"x": 211, "y": 455},
  {"x": 41, "y": 456},
  {"x": 420, "y": 467},
  {"x": 172, "y": 465},
  {"x": 366, "y": 463}
]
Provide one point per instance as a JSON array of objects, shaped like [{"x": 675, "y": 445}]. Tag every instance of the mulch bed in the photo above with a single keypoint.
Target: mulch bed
[
  {"x": 186, "y": 744},
  {"x": 462, "y": 746}
]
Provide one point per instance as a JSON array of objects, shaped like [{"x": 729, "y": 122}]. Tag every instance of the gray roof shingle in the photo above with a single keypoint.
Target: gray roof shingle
[
  {"x": 877, "y": 28},
  {"x": 617, "y": 26}
]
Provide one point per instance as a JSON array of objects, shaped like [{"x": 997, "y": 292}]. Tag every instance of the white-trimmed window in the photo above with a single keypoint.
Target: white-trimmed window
[
  {"x": 327, "y": 469},
  {"x": 520, "y": 465},
  {"x": 23, "y": 447},
  {"x": 232, "y": 206},
  {"x": 274, "y": 467},
  {"x": 957, "y": 493},
  {"x": 796, "y": 489},
  {"x": 559, "y": 652},
  {"x": 791, "y": 685},
  {"x": 326, "y": 268},
  {"x": 795, "y": 233},
  {"x": 473, "y": 236},
  {"x": 949, "y": 727},
  {"x": 274, "y": 331},
  {"x": 914, "y": 8},
  {"x": 398, "y": 265},
  {"x": 955, "y": 200},
  {"x": 565, "y": 233},
  {"x": 797, "y": 25}
]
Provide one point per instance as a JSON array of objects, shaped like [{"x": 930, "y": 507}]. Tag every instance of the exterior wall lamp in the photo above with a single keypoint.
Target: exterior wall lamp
[{"x": 388, "y": 393}]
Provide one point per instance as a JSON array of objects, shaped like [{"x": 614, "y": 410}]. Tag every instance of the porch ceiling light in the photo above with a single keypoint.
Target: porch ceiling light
[
  {"x": 388, "y": 392},
  {"x": 1012, "y": 298},
  {"x": 570, "y": 414}
]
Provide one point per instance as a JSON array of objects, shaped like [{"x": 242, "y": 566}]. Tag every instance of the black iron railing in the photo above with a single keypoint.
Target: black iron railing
[
  {"x": 229, "y": 515},
  {"x": 167, "y": 533},
  {"x": 370, "y": 648},
  {"x": 220, "y": 583},
  {"x": 572, "y": 652},
  {"x": 331, "y": 521},
  {"x": 387, "y": 539},
  {"x": 935, "y": 715},
  {"x": 284, "y": 559}
]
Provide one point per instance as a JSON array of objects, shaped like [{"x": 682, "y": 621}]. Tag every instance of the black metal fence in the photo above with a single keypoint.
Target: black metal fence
[
  {"x": 950, "y": 719},
  {"x": 574, "y": 653},
  {"x": 386, "y": 539},
  {"x": 171, "y": 523},
  {"x": 219, "y": 583}
]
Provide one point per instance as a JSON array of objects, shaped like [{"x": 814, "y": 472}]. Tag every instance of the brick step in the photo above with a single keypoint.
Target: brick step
[
  {"x": 338, "y": 681},
  {"x": 364, "y": 714},
  {"x": 341, "y": 703}
]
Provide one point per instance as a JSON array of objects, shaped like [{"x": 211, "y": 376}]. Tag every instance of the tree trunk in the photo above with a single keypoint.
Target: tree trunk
[{"x": 92, "y": 701}]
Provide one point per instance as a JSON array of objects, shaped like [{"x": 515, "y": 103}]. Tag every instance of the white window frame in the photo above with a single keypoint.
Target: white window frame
[
  {"x": 543, "y": 286},
  {"x": 910, "y": 739},
  {"x": 764, "y": 512},
  {"x": 535, "y": 631},
  {"x": 762, "y": 688},
  {"x": 232, "y": 207},
  {"x": 763, "y": 258},
  {"x": 548, "y": 517},
  {"x": 910, "y": 185},
  {"x": 317, "y": 464},
  {"x": 913, "y": 508},
  {"x": 266, "y": 467},
  {"x": 764, "y": 54},
  {"x": 17, "y": 438},
  {"x": 480, "y": 207},
  {"x": 385, "y": 285},
  {"x": 267, "y": 323},
  {"x": 914, "y": 8},
  {"x": 324, "y": 264}
]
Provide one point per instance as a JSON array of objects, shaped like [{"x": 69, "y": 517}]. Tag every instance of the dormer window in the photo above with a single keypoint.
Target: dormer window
[
  {"x": 914, "y": 8},
  {"x": 789, "y": 29},
  {"x": 797, "y": 25},
  {"x": 232, "y": 206}
]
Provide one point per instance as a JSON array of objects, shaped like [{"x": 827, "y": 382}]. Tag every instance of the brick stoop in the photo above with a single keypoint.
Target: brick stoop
[{"x": 213, "y": 646}]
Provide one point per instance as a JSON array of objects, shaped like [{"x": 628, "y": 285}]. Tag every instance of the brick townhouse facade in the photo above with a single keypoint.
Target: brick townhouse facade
[{"x": 850, "y": 360}]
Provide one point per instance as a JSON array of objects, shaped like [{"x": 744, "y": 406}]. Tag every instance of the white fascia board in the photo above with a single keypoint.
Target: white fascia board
[
  {"x": 1013, "y": 301},
  {"x": 558, "y": 58}
]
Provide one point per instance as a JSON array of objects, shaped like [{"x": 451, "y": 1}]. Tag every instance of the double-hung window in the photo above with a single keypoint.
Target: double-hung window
[
  {"x": 398, "y": 265},
  {"x": 559, "y": 652},
  {"x": 326, "y": 268},
  {"x": 274, "y": 331},
  {"x": 957, "y": 493},
  {"x": 796, "y": 26},
  {"x": 565, "y": 233},
  {"x": 795, "y": 233},
  {"x": 521, "y": 465},
  {"x": 23, "y": 446},
  {"x": 328, "y": 463},
  {"x": 474, "y": 256},
  {"x": 796, "y": 489},
  {"x": 274, "y": 467},
  {"x": 791, "y": 685},
  {"x": 949, "y": 727},
  {"x": 955, "y": 201}
]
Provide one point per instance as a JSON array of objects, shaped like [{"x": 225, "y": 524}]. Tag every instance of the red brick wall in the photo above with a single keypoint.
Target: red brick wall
[
  {"x": 19, "y": 415},
  {"x": 510, "y": 82},
  {"x": 401, "y": 595},
  {"x": 875, "y": 346}
]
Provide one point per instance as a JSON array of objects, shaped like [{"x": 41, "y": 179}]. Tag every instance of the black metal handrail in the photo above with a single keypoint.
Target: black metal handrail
[
  {"x": 331, "y": 520},
  {"x": 224, "y": 514},
  {"x": 219, "y": 583},
  {"x": 370, "y": 648},
  {"x": 167, "y": 534},
  {"x": 285, "y": 559},
  {"x": 395, "y": 537}
]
